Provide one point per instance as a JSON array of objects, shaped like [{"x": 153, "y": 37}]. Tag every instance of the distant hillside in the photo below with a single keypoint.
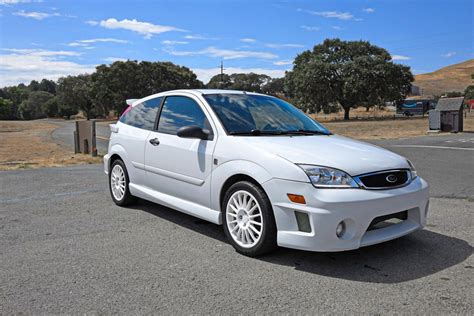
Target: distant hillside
[{"x": 451, "y": 78}]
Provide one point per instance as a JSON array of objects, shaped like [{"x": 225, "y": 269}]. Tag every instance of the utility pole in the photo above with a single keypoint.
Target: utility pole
[{"x": 222, "y": 74}]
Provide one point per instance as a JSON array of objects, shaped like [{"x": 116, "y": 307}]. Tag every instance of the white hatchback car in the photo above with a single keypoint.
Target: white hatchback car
[{"x": 264, "y": 170}]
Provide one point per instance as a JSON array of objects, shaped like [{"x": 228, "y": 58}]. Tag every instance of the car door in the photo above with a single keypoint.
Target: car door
[{"x": 180, "y": 167}]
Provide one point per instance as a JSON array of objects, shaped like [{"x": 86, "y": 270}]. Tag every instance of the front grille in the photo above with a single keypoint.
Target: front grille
[{"x": 384, "y": 179}]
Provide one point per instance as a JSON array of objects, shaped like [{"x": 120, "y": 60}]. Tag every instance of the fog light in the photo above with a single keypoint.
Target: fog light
[
  {"x": 341, "y": 229},
  {"x": 302, "y": 219}
]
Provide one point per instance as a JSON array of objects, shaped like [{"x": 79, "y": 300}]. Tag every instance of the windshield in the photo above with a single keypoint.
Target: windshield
[{"x": 243, "y": 114}]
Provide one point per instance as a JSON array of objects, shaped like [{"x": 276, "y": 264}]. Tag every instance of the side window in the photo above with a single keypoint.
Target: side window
[
  {"x": 181, "y": 111},
  {"x": 142, "y": 115}
]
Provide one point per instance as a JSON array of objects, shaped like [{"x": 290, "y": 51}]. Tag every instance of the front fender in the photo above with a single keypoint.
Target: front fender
[{"x": 222, "y": 172}]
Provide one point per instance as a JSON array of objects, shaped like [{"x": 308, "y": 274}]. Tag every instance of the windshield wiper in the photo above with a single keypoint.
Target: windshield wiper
[
  {"x": 256, "y": 132},
  {"x": 305, "y": 132}
]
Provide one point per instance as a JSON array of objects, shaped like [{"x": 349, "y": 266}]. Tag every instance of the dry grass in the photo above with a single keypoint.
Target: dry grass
[
  {"x": 355, "y": 114},
  {"x": 28, "y": 144},
  {"x": 386, "y": 129},
  {"x": 451, "y": 78}
]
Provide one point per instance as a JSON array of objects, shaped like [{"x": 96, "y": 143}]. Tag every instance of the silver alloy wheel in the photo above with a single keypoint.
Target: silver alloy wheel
[
  {"x": 117, "y": 182},
  {"x": 244, "y": 219}
]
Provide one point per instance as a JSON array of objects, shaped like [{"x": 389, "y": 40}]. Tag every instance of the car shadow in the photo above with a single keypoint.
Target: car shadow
[{"x": 408, "y": 258}]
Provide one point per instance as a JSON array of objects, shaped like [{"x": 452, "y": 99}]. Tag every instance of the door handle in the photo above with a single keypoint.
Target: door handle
[{"x": 154, "y": 141}]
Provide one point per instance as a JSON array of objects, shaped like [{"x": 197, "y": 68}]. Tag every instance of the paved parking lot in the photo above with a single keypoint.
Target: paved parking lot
[{"x": 66, "y": 248}]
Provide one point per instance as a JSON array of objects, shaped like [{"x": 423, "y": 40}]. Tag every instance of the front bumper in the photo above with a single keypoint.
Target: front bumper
[
  {"x": 106, "y": 163},
  {"x": 326, "y": 208}
]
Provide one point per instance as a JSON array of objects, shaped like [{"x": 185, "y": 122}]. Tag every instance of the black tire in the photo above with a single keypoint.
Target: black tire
[
  {"x": 127, "y": 198},
  {"x": 268, "y": 238}
]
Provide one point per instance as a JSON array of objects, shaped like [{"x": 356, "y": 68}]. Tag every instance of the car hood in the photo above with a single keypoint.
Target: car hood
[{"x": 351, "y": 156}]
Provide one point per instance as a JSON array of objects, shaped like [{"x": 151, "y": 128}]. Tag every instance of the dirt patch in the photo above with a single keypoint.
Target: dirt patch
[
  {"x": 28, "y": 144},
  {"x": 386, "y": 129}
]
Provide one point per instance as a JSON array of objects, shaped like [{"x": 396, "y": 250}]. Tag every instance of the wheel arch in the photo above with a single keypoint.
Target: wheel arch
[
  {"x": 231, "y": 172},
  {"x": 118, "y": 152},
  {"x": 234, "y": 179},
  {"x": 113, "y": 158}
]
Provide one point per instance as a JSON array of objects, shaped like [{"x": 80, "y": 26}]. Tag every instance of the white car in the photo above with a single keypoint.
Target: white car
[{"x": 268, "y": 173}]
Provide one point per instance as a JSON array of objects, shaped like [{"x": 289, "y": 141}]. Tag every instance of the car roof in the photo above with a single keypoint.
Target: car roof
[
  {"x": 195, "y": 92},
  {"x": 211, "y": 91}
]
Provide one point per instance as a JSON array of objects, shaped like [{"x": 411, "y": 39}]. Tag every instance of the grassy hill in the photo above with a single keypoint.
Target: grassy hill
[{"x": 451, "y": 78}]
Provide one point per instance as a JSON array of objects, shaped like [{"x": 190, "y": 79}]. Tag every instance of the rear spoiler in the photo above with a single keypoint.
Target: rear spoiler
[{"x": 130, "y": 101}]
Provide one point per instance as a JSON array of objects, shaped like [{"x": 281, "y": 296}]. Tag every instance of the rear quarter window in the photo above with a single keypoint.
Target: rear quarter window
[{"x": 142, "y": 115}]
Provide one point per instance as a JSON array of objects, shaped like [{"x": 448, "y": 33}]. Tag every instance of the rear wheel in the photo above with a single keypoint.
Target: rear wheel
[
  {"x": 118, "y": 184},
  {"x": 248, "y": 218}
]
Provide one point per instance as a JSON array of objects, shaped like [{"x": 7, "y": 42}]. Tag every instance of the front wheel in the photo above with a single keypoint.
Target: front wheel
[
  {"x": 118, "y": 184},
  {"x": 248, "y": 219}
]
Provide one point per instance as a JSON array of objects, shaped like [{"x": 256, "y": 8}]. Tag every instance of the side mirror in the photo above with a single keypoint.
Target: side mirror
[{"x": 193, "y": 131}]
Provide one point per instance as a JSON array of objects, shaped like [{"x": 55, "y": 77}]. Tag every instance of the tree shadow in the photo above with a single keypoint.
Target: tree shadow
[{"x": 412, "y": 257}]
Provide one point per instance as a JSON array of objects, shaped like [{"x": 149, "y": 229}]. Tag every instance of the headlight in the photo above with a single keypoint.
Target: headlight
[
  {"x": 325, "y": 177},
  {"x": 412, "y": 170}
]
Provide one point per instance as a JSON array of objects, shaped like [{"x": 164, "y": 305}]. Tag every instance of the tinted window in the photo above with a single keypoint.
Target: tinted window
[
  {"x": 142, "y": 115},
  {"x": 243, "y": 113},
  {"x": 178, "y": 112}
]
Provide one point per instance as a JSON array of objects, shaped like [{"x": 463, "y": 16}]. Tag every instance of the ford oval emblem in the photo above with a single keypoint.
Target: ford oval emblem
[{"x": 391, "y": 178}]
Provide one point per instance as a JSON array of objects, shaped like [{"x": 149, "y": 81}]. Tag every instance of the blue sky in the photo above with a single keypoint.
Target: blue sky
[{"x": 46, "y": 38}]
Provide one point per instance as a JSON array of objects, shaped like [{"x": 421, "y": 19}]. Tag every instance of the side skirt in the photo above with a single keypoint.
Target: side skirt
[{"x": 178, "y": 204}]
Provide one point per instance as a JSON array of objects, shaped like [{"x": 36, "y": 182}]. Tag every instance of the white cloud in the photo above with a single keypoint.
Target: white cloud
[
  {"x": 223, "y": 53},
  {"x": 10, "y": 2},
  {"x": 113, "y": 59},
  {"x": 76, "y": 44},
  {"x": 40, "y": 52},
  {"x": 103, "y": 40},
  {"x": 144, "y": 28},
  {"x": 283, "y": 62},
  {"x": 248, "y": 40},
  {"x": 338, "y": 28},
  {"x": 333, "y": 14},
  {"x": 35, "y": 15},
  {"x": 310, "y": 28},
  {"x": 400, "y": 57},
  {"x": 24, "y": 65},
  {"x": 368, "y": 10},
  {"x": 284, "y": 45},
  {"x": 167, "y": 42},
  {"x": 448, "y": 54},
  {"x": 205, "y": 74},
  {"x": 86, "y": 44},
  {"x": 199, "y": 37}
]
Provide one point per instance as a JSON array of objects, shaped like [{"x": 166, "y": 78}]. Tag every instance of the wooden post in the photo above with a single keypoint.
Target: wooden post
[
  {"x": 77, "y": 146},
  {"x": 86, "y": 147},
  {"x": 93, "y": 140}
]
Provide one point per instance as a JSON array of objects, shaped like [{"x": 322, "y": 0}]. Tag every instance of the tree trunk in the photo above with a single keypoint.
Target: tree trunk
[{"x": 346, "y": 113}]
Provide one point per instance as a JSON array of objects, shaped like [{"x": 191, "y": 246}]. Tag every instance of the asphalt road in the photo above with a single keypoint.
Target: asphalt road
[{"x": 66, "y": 248}]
